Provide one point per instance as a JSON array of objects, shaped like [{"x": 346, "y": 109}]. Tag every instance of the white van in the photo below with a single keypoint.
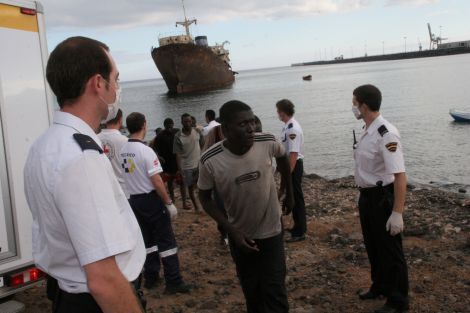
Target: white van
[{"x": 25, "y": 113}]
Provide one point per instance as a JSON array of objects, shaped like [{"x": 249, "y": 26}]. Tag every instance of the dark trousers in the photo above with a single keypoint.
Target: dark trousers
[
  {"x": 64, "y": 302},
  {"x": 262, "y": 275},
  {"x": 389, "y": 273},
  {"x": 298, "y": 211},
  {"x": 159, "y": 239}
]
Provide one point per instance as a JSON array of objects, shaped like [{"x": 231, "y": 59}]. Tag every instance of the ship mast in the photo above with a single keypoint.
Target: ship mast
[{"x": 186, "y": 22}]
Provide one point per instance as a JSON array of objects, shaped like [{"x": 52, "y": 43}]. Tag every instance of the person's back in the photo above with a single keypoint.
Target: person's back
[
  {"x": 112, "y": 141},
  {"x": 164, "y": 147},
  {"x": 152, "y": 207}
]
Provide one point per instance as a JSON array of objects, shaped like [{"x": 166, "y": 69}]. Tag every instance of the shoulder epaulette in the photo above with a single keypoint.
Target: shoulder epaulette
[
  {"x": 290, "y": 125},
  {"x": 382, "y": 130},
  {"x": 265, "y": 137},
  {"x": 211, "y": 152},
  {"x": 87, "y": 143}
]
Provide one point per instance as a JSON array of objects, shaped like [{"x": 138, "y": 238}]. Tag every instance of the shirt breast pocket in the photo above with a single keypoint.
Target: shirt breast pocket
[{"x": 368, "y": 160}]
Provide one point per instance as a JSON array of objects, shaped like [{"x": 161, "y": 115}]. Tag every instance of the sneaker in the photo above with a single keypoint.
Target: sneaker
[{"x": 181, "y": 288}]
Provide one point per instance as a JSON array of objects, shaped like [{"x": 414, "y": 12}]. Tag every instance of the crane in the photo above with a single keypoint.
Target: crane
[{"x": 433, "y": 39}]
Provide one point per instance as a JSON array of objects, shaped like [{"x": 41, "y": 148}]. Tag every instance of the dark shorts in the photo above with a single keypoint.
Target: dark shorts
[{"x": 190, "y": 176}]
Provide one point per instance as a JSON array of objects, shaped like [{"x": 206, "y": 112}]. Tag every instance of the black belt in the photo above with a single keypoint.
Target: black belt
[
  {"x": 140, "y": 195},
  {"x": 376, "y": 190},
  {"x": 57, "y": 295}
]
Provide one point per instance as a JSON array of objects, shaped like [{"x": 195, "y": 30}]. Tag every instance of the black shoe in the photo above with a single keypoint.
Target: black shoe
[
  {"x": 368, "y": 295},
  {"x": 390, "y": 309},
  {"x": 295, "y": 238},
  {"x": 181, "y": 288}
]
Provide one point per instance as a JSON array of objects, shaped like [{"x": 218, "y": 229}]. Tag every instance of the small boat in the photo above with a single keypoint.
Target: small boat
[
  {"x": 460, "y": 116},
  {"x": 308, "y": 77}
]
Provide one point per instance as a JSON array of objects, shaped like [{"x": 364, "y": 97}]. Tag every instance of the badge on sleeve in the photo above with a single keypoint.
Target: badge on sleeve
[
  {"x": 292, "y": 136},
  {"x": 392, "y": 146}
]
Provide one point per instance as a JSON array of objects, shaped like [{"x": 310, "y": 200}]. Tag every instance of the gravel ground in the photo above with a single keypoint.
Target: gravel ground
[{"x": 326, "y": 271}]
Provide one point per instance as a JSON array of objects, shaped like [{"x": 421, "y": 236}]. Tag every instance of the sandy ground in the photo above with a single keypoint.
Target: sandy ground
[{"x": 326, "y": 271}]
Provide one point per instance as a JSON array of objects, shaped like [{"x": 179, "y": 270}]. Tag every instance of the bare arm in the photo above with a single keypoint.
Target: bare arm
[
  {"x": 399, "y": 189},
  {"x": 110, "y": 288},
  {"x": 159, "y": 186},
  {"x": 293, "y": 160},
  {"x": 210, "y": 207},
  {"x": 178, "y": 163},
  {"x": 286, "y": 183}
]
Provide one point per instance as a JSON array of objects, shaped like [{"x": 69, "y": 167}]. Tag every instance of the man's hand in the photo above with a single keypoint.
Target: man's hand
[
  {"x": 288, "y": 204},
  {"x": 395, "y": 223},
  {"x": 243, "y": 243},
  {"x": 172, "y": 210}
]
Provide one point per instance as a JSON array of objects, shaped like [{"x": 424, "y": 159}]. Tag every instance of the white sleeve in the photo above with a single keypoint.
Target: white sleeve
[
  {"x": 206, "y": 179},
  {"x": 293, "y": 139},
  {"x": 392, "y": 153},
  {"x": 88, "y": 206},
  {"x": 152, "y": 164}
]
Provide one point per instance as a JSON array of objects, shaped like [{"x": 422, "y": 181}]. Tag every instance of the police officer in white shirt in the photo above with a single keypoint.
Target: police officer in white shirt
[
  {"x": 292, "y": 138},
  {"x": 85, "y": 235},
  {"x": 112, "y": 141},
  {"x": 152, "y": 206},
  {"x": 380, "y": 175}
]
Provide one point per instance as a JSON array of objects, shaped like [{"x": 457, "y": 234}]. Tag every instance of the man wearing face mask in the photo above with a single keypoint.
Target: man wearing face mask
[
  {"x": 85, "y": 235},
  {"x": 380, "y": 175}
]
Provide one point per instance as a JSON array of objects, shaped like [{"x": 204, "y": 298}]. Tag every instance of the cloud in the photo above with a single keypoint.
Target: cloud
[
  {"x": 125, "y": 14},
  {"x": 410, "y": 2}
]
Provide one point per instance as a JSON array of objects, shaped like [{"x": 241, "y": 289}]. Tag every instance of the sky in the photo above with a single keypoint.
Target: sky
[{"x": 261, "y": 33}]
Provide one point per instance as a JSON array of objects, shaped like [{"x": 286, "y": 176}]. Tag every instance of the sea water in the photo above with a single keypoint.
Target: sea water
[{"x": 417, "y": 96}]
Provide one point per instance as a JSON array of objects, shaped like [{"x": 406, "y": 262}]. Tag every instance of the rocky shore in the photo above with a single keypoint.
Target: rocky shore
[{"x": 326, "y": 271}]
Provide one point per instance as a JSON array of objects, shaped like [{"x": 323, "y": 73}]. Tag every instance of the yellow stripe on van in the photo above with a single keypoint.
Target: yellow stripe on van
[{"x": 11, "y": 17}]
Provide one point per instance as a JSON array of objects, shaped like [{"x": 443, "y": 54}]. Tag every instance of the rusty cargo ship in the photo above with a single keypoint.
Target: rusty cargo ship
[{"x": 189, "y": 65}]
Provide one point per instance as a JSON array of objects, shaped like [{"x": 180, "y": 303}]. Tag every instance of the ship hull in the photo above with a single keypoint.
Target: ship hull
[{"x": 188, "y": 68}]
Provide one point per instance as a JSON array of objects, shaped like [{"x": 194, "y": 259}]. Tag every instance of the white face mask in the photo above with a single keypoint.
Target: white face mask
[
  {"x": 356, "y": 112},
  {"x": 113, "y": 108}
]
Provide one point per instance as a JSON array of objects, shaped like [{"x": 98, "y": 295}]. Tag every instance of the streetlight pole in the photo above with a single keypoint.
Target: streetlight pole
[
  {"x": 405, "y": 43},
  {"x": 383, "y": 47}
]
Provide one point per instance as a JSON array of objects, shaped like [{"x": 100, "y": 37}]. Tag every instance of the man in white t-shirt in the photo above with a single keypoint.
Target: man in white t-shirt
[
  {"x": 211, "y": 122},
  {"x": 113, "y": 141},
  {"x": 152, "y": 206}
]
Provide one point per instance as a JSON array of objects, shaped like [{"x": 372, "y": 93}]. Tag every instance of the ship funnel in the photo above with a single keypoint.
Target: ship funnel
[{"x": 201, "y": 41}]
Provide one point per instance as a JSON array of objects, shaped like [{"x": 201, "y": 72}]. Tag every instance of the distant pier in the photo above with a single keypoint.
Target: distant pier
[{"x": 394, "y": 56}]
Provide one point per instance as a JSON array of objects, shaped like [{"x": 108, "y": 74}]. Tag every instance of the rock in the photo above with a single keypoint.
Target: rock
[
  {"x": 452, "y": 299},
  {"x": 190, "y": 303},
  {"x": 462, "y": 190},
  {"x": 418, "y": 289},
  {"x": 209, "y": 305}
]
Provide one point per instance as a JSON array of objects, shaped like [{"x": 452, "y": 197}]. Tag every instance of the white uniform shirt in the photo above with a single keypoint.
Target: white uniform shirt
[
  {"x": 80, "y": 213},
  {"x": 139, "y": 162},
  {"x": 292, "y": 138},
  {"x": 208, "y": 127},
  {"x": 113, "y": 141},
  {"x": 378, "y": 154}
]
